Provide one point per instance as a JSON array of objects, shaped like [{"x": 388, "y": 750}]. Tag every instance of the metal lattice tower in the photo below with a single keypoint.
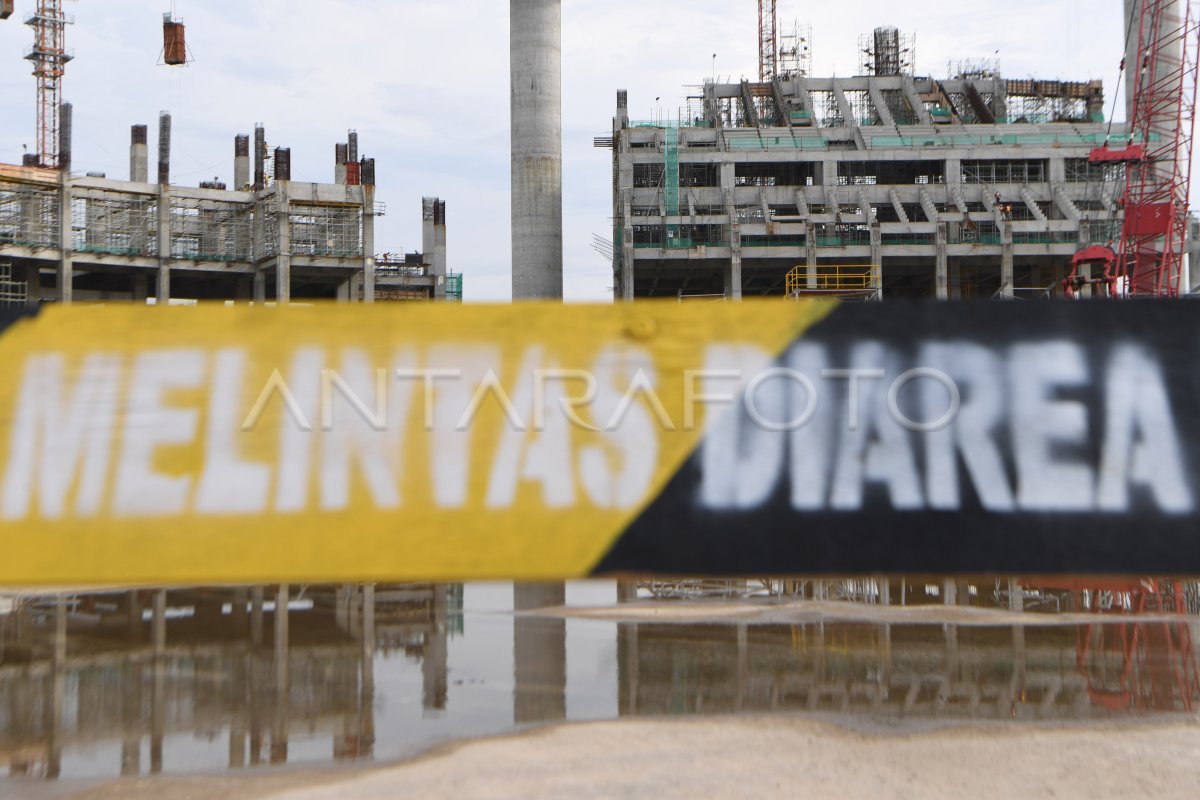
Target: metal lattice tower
[
  {"x": 768, "y": 40},
  {"x": 49, "y": 56},
  {"x": 1163, "y": 84}
]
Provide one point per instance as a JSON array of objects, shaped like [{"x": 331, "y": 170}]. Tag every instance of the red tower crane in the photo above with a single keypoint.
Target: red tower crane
[
  {"x": 1161, "y": 83},
  {"x": 49, "y": 56}
]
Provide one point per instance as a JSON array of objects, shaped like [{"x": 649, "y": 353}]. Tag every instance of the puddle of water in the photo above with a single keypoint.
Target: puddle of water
[{"x": 199, "y": 681}]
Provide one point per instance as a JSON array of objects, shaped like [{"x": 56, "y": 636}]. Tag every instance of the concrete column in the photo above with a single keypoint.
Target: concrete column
[
  {"x": 33, "y": 286},
  {"x": 139, "y": 288},
  {"x": 810, "y": 253},
  {"x": 434, "y": 664},
  {"x": 158, "y": 702},
  {"x": 628, "y": 262},
  {"x": 628, "y": 671},
  {"x": 941, "y": 263},
  {"x": 58, "y": 691},
  {"x": 733, "y": 276},
  {"x": 131, "y": 717},
  {"x": 279, "y": 731},
  {"x": 366, "y": 728},
  {"x": 1006, "y": 263},
  {"x": 256, "y": 616},
  {"x": 260, "y": 286},
  {"x": 66, "y": 266},
  {"x": 139, "y": 155},
  {"x": 368, "y": 225},
  {"x": 876, "y": 244},
  {"x": 164, "y": 245},
  {"x": 283, "y": 258},
  {"x": 535, "y": 37},
  {"x": 539, "y": 655},
  {"x": 241, "y": 162}
]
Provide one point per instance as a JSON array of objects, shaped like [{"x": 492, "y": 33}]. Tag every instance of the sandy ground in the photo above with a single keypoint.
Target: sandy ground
[{"x": 747, "y": 757}]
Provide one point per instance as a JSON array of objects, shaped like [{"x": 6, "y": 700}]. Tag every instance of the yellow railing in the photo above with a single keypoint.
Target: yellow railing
[{"x": 833, "y": 279}]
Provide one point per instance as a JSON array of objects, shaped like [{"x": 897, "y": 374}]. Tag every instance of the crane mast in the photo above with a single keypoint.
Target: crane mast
[
  {"x": 1161, "y": 81},
  {"x": 49, "y": 56}
]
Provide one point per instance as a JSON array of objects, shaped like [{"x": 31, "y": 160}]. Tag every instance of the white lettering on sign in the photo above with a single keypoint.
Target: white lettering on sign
[{"x": 1029, "y": 426}]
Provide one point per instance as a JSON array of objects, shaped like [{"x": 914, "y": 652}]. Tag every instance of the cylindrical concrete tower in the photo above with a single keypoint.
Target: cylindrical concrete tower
[
  {"x": 536, "y": 63},
  {"x": 1168, "y": 64}
]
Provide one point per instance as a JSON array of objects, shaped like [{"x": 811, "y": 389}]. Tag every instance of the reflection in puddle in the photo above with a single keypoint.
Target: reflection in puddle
[{"x": 196, "y": 681}]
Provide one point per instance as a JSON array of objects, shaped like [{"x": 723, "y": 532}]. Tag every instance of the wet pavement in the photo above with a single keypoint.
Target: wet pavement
[{"x": 212, "y": 681}]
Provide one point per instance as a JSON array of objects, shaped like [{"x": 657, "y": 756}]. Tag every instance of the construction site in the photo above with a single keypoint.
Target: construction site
[
  {"x": 894, "y": 184},
  {"x": 66, "y": 236}
]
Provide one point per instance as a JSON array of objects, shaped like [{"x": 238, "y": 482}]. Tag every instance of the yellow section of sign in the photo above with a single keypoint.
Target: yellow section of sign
[{"x": 352, "y": 443}]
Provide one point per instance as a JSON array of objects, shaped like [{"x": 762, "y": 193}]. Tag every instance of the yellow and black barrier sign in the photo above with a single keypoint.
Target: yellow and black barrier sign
[{"x": 421, "y": 442}]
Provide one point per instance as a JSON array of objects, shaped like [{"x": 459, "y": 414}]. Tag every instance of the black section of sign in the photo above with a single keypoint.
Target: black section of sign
[
  {"x": 679, "y": 534},
  {"x": 8, "y": 316}
]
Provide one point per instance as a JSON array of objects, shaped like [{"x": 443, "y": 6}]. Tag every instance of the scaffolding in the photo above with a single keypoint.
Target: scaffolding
[
  {"x": 888, "y": 52},
  {"x": 327, "y": 230},
  {"x": 13, "y": 293},
  {"x": 210, "y": 230},
  {"x": 454, "y": 287},
  {"x": 29, "y": 215},
  {"x": 795, "y": 52},
  {"x": 115, "y": 223}
]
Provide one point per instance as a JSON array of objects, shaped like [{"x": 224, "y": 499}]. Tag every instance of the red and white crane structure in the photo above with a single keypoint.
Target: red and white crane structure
[
  {"x": 1161, "y": 73},
  {"x": 49, "y": 57}
]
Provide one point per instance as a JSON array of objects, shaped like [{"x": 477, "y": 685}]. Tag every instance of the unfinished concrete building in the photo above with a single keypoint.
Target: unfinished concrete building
[
  {"x": 883, "y": 185},
  {"x": 266, "y": 238}
]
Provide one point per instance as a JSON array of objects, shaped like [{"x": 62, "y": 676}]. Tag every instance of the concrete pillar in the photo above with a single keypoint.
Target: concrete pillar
[
  {"x": 368, "y": 226},
  {"x": 742, "y": 680},
  {"x": 1007, "y": 272},
  {"x": 260, "y": 286},
  {"x": 876, "y": 244},
  {"x": 628, "y": 262},
  {"x": 33, "y": 286},
  {"x": 433, "y": 242},
  {"x": 733, "y": 276},
  {"x": 241, "y": 162},
  {"x": 131, "y": 717},
  {"x": 535, "y": 36},
  {"x": 163, "y": 292},
  {"x": 627, "y": 591},
  {"x": 139, "y": 288},
  {"x": 539, "y": 655},
  {"x": 434, "y": 664},
  {"x": 58, "y": 691},
  {"x": 279, "y": 731},
  {"x": 139, "y": 155},
  {"x": 158, "y": 701},
  {"x": 628, "y": 670},
  {"x": 810, "y": 254},
  {"x": 366, "y": 728},
  {"x": 283, "y": 258},
  {"x": 941, "y": 262},
  {"x": 66, "y": 265},
  {"x": 256, "y": 616}
]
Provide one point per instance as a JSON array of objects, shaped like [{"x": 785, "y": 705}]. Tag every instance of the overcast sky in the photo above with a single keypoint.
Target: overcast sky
[{"x": 425, "y": 83}]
